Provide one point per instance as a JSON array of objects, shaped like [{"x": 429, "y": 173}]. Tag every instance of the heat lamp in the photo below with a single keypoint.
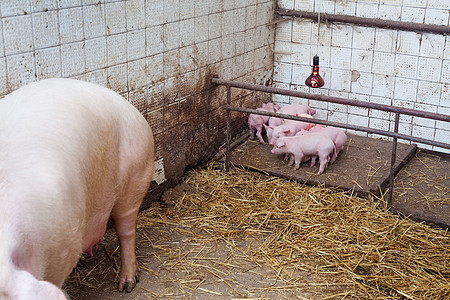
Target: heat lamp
[{"x": 315, "y": 80}]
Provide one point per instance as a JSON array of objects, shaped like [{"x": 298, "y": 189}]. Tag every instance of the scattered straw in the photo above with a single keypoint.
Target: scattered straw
[
  {"x": 314, "y": 230},
  {"x": 243, "y": 234},
  {"x": 425, "y": 181}
]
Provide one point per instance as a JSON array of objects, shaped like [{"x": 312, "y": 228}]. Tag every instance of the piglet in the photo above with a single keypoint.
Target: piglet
[
  {"x": 307, "y": 146},
  {"x": 273, "y": 122},
  {"x": 295, "y": 109},
  {"x": 337, "y": 135},
  {"x": 256, "y": 122},
  {"x": 72, "y": 154},
  {"x": 289, "y": 128}
]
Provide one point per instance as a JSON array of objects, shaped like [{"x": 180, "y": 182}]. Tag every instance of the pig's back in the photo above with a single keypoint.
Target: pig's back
[{"x": 57, "y": 128}]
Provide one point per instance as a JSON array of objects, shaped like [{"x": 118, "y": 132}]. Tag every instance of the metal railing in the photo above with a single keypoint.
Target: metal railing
[
  {"x": 394, "y": 109},
  {"x": 368, "y": 22}
]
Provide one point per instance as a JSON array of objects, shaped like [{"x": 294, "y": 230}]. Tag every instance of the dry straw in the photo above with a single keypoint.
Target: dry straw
[
  {"x": 308, "y": 242},
  {"x": 315, "y": 231}
]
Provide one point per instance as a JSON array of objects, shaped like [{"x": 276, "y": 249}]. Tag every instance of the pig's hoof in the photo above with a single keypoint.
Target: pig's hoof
[
  {"x": 67, "y": 295},
  {"x": 127, "y": 285}
]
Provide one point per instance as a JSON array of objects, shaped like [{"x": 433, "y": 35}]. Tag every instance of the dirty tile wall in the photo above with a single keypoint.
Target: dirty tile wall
[
  {"x": 401, "y": 68},
  {"x": 159, "y": 54}
]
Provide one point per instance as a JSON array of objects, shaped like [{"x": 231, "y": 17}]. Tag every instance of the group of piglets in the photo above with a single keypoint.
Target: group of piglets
[{"x": 299, "y": 141}]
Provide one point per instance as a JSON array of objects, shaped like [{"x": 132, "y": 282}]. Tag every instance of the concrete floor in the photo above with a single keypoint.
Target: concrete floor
[
  {"x": 421, "y": 187},
  {"x": 362, "y": 166}
]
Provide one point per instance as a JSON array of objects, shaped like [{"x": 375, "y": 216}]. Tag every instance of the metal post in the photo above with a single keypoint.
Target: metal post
[
  {"x": 228, "y": 150},
  {"x": 394, "y": 155}
]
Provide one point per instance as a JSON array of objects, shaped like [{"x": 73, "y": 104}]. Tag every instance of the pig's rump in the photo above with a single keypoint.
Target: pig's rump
[{"x": 69, "y": 151}]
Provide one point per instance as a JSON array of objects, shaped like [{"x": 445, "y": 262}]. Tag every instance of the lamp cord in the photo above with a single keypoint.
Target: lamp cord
[{"x": 318, "y": 25}]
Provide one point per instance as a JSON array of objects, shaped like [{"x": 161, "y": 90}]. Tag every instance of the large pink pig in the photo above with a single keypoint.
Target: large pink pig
[
  {"x": 295, "y": 109},
  {"x": 337, "y": 135},
  {"x": 256, "y": 122},
  {"x": 72, "y": 154},
  {"x": 289, "y": 128},
  {"x": 307, "y": 146}
]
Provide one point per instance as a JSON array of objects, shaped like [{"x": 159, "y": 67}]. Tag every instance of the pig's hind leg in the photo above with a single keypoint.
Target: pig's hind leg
[
  {"x": 124, "y": 215},
  {"x": 323, "y": 160},
  {"x": 298, "y": 160},
  {"x": 252, "y": 135},
  {"x": 125, "y": 226},
  {"x": 289, "y": 157},
  {"x": 259, "y": 134},
  {"x": 313, "y": 160}
]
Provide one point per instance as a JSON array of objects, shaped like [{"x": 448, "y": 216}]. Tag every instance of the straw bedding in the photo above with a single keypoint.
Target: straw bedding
[
  {"x": 424, "y": 178},
  {"x": 313, "y": 230},
  {"x": 282, "y": 240}
]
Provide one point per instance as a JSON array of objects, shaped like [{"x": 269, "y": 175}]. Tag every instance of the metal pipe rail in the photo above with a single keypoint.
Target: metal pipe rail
[
  {"x": 389, "y": 108},
  {"x": 395, "y": 135},
  {"x": 335, "y": 124},
  {"x": 368, "y": 22}
]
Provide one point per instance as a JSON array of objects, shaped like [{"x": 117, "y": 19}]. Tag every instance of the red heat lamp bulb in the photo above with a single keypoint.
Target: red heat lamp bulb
[{"x": 314, "y": 80}]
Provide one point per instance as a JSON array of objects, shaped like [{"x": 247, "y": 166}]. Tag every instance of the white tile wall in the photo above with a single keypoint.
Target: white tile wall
[
  {"x": 14, "y": 7},
  {"x": 15, "y": 42},
  {"x": 3, "y": 81},
  {"x": 20, "y": 69},
  {"x": 71, "y": 25},
  {"x": 390, "y": 12},
  {"x": 436, "y": 16},
  {"x": 139, "y": 47},
  {"x": 48, "y": 63},
  {"x": 45, "y": 29},
  {"x": 432, "y": 45},
  {"x": 116, "y": 21},
  {"x": 73, "y": 59},
  {"x": 401, "y": 68},
  {"x": 94, "y": 21},
  {"x": 406, "y": 66}
]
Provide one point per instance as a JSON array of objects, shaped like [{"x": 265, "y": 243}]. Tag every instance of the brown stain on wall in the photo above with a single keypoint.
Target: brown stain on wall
[{"x": 193, "y": 122}]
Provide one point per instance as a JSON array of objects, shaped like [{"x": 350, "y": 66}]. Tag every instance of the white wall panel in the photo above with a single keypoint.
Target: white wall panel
[{"x": 403, "y": 68}]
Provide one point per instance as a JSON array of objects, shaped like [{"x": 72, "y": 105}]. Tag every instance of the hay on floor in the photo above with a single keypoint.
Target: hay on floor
[
  {"x": 314, "y": 230},
  {"x": 243, "y": 234}
]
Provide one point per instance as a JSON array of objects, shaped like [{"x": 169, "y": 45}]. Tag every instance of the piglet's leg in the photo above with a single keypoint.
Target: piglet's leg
[
  {"x": 324, "y": 159},
  {"x": 259, "y": 135},
  {"x": 298, "y": 161},
  {"x": 313, "y": 160},
  {"x": 290, "y": 156}
]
